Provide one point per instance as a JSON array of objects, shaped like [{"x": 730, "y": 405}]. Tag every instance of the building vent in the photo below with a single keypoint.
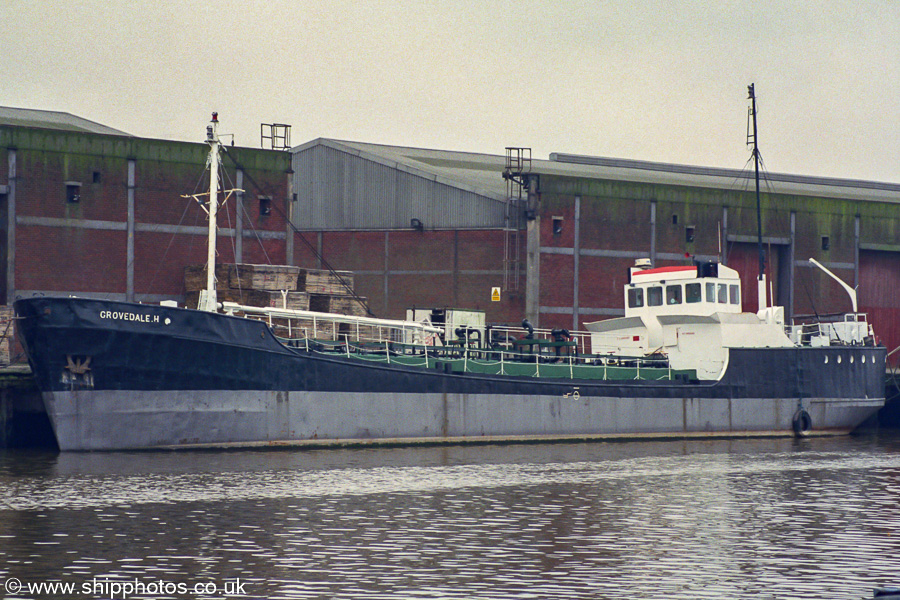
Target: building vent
[
  {"x": 73, "y": 191},
  {"x": 265, "y": 206}
]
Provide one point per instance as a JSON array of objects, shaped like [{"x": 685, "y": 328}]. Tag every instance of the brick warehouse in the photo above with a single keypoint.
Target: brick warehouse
[
  {"x": 96, "y": 212},
  {"x": 429, "y": 228}
]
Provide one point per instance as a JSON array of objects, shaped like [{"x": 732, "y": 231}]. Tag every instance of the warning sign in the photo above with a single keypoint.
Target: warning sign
[{"x": 495, "y": 294}]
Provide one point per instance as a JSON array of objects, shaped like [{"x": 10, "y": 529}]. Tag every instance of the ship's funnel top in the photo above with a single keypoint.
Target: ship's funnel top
[{"x": 642, "y": 263}]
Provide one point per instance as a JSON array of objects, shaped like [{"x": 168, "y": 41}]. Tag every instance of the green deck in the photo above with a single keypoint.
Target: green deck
[{"x": 514, "y": 363}]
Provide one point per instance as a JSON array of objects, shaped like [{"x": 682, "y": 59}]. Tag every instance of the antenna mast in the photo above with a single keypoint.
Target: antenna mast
[
  {"x": 752, "y": 139},
  {"x": 212, "y": 138},
  {"x": 208, "y": 299}
]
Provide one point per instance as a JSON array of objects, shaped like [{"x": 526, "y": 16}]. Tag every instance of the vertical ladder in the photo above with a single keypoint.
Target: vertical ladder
[{"x": 518, "y": 163}]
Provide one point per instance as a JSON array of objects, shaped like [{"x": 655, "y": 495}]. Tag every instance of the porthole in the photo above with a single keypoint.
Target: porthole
[
  {"x": 826, "y": 360},
  {"x": 864, "y": 358},
  {"x": 839, "y": 359},
  {"x": 851, "y": 360}
]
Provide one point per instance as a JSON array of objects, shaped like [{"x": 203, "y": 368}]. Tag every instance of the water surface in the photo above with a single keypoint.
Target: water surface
[{"x": 772, "y": 518}]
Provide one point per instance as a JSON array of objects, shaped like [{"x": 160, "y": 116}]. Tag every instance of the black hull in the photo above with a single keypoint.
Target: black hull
[{"x": 81, "y": 347}]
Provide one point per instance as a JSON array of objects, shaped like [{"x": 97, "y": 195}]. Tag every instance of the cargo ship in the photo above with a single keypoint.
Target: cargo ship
[{"x": 684, "y": 361}]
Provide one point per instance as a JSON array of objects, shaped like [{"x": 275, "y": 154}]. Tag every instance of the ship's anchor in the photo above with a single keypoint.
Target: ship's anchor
[
  {"x": 78, "y": 372},
  {"x": 78, "y": 367}
]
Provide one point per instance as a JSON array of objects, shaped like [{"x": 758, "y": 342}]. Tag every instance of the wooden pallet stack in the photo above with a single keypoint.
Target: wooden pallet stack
[
  {"x": 252, "y": 285},
  {"x": 7, "y": 332},
  {"x": 281, "y": 286},
  {"x": 329, "y": 292}
]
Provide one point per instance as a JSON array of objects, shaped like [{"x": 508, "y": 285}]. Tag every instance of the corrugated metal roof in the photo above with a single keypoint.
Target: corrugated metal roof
[
  {"x": 482, "y": 173},
  {"x": 350, "y": 185},
  {"x": 50, "y": 119},
  {"x": 469, "y": 171},
  {"x": 710, "y": 177}
]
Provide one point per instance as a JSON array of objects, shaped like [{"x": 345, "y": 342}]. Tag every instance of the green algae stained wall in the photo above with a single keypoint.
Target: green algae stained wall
[
  {"x": 80, "y": 146},
  {"x": 83, "y": 246},
  {"x": 625, "y": 204}
]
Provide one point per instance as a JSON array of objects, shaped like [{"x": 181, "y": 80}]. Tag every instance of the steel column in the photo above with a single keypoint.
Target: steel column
[
  {"x": 129, "y": 243},
  {"x": 856, "y": 252},
  {"x": 289, "y": 213},
  {"x": 576, "y": 265},
  {"x": 239, "y": 218},
  {"x": 11, "y": 228},
  {"x": 791, "y": 269}
]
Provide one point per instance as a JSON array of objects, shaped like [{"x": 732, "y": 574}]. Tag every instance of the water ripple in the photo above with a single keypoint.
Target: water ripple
[{"x": 700, "y": 521}]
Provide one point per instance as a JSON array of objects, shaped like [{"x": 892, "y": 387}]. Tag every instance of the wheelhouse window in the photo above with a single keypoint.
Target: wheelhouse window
[
  {"x": 635, "y": 298},
  {"x": 722, "y": 296},
  {"x": 654, "y": 296},
  {"x": 693, "y": 293},
  {"x": 673, "y": 294},
  {"x": 710, "y": 292},
  {"x": 734, "y": 294}
]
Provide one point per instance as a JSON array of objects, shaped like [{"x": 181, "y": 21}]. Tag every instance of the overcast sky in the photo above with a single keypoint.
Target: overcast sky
[{"x": 649, "y": 80}]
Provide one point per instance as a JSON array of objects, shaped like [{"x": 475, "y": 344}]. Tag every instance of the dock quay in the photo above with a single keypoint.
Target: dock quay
[{"x": 23, "y": 421}]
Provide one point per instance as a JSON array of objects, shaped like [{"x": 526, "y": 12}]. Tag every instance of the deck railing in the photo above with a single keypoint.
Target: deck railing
[{"x": 511, "y": 351}]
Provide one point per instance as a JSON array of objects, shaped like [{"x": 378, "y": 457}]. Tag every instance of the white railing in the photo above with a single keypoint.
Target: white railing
[
  {"x": 385, "y": 337},
  {"x": 505, "y": 362},
  {"x": 312, "y": 324},
  {"x": 853, "y": 330}
]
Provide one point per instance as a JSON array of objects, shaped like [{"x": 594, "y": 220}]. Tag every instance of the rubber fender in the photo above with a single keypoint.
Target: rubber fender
[{"x": 802, "y": 422}]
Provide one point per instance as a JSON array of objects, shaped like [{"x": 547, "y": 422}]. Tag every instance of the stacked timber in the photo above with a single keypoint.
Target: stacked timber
[
  {"x": 281, "y": 286},
  {"x": 252, "y": 285},
  {"x": 325, "y": 282},
  {"x": 329, "y": 292},
  {"x": 263, "y": 277},
  {"x": 7, "y": 332}
]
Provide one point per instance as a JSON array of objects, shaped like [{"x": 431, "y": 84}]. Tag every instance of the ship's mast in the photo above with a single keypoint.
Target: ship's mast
[
  {"x": 212, "y": 138},
  {"x": 761, "y": 278}
]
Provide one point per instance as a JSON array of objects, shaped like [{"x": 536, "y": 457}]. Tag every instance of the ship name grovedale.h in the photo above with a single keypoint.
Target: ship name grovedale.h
[{"x": 128, "y": 316}]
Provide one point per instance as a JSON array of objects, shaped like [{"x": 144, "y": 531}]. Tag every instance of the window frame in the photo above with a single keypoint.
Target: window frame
[
  {"x": 635, "y": 297},
  {"x": 674, "y": 294},
  {"x": 687, "y": 296},
  {"x": 722, "y": 293}
]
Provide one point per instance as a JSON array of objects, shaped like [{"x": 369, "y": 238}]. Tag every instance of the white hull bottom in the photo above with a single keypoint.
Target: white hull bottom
[{"x": 122, "y": 419}]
